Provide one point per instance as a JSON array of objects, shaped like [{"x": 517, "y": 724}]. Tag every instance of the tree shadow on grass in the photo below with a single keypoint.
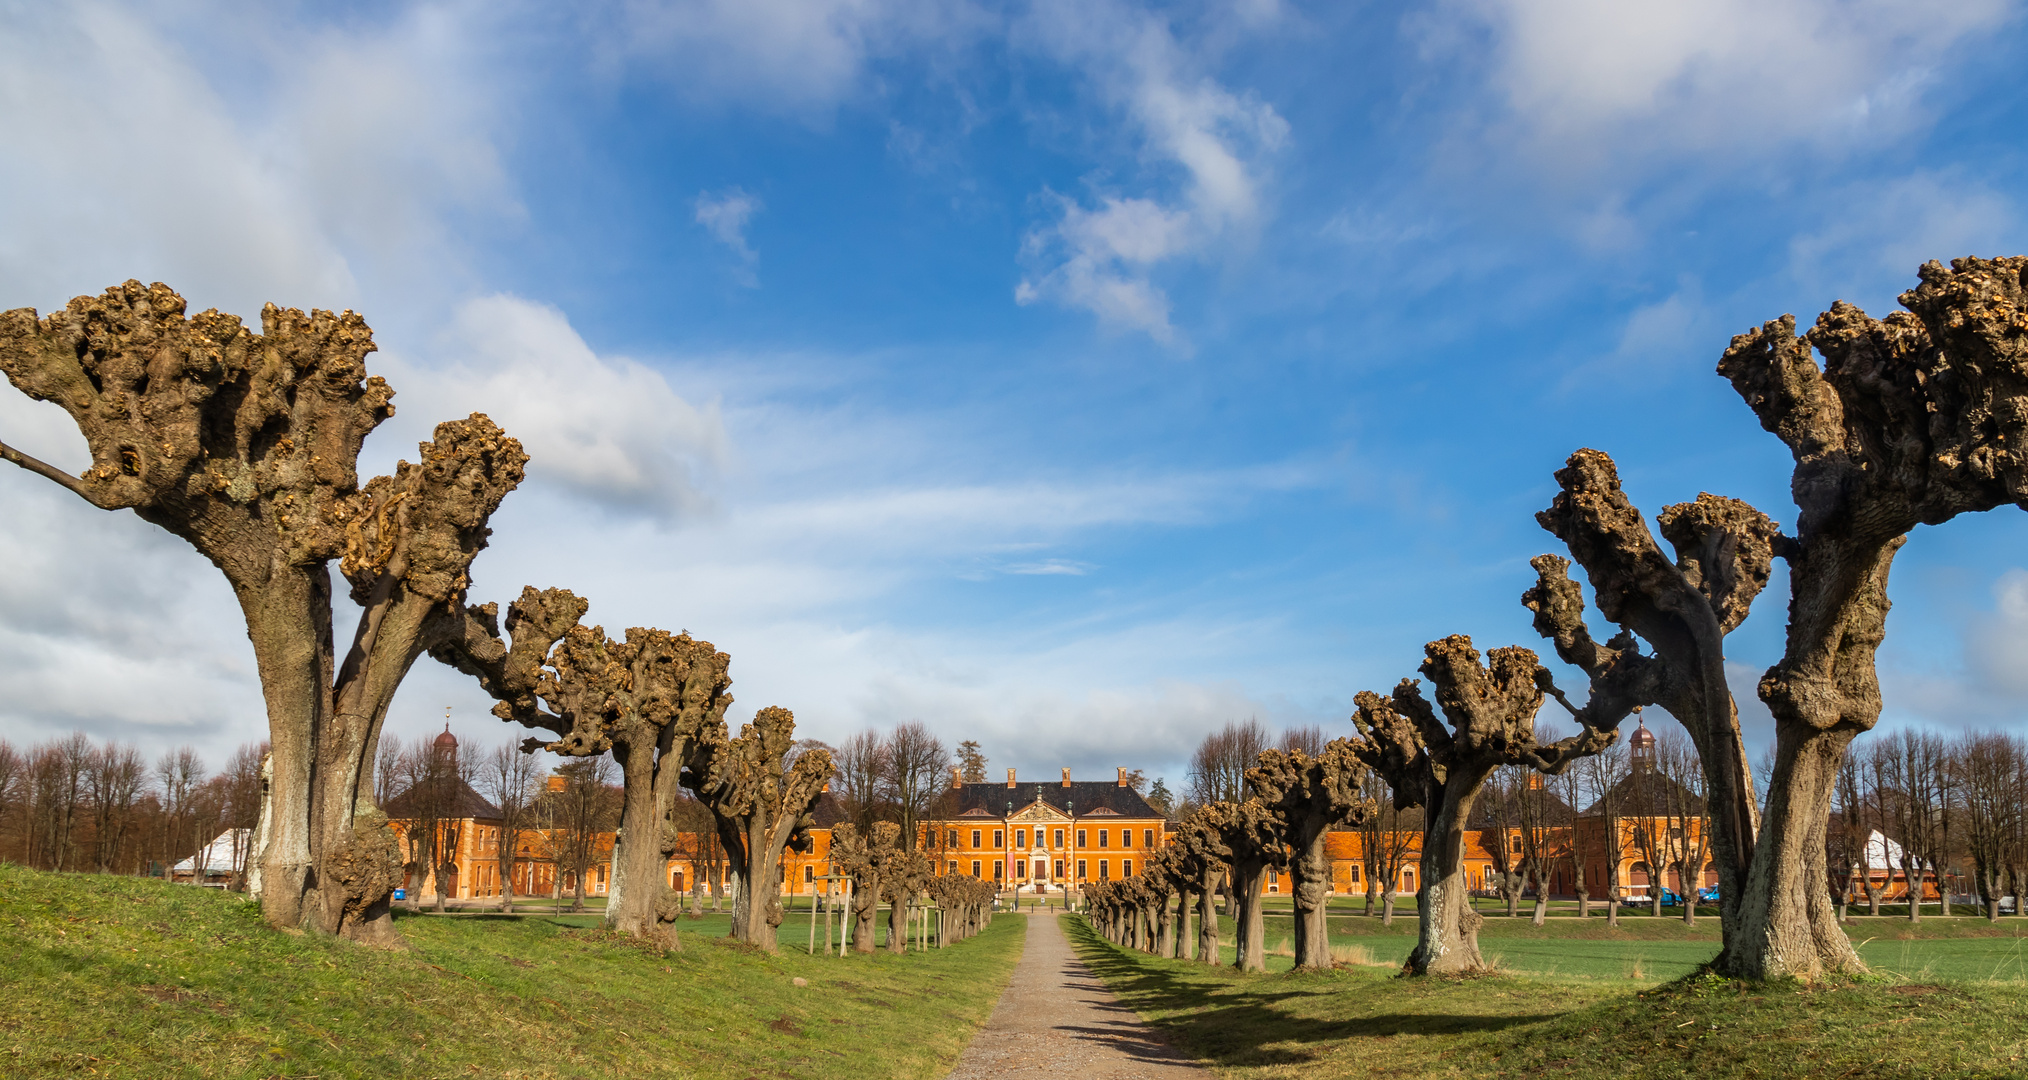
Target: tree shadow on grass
[{"x": 1255, "y": 1022}]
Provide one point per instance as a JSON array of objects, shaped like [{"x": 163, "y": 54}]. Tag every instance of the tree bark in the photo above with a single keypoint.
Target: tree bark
[
  {"x": 1786, "y": 923},
  {"x": 1248, "y": 883},
  {"x": 1207, "y": 919},
  {"x": 1447, "y": 939},
  {"x": 1310, "y": 876}
]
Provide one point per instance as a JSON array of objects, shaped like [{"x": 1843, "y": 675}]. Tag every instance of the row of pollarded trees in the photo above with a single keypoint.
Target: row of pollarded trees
[
  {"x": 1909, "y": 420},
  {"x": 885, "y": 868},
  {"x": 246, "y": 445}
]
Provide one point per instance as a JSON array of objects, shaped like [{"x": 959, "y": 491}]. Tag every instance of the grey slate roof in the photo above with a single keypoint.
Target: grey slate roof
[{"x": 1087, "y": 796}]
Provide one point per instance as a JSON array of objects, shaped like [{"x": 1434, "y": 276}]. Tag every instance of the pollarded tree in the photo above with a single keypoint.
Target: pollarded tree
[
  {"x": 1204, "y": 859},
  {"x": 1488, "y": 721},
  {"x": 762, "y": 804},
  {"x": 1159, "y": 874},
  {"x": 1247, "y": 831},
  {"x": 866, "y": 856},
  {"x": 1911, "y": 420},
  {"x": 908, "y": 873},
  {"x": 1683, "y": 608},
  {"x": 648, "y": 700},
  {"x": 246, "y": 445},
  {"x": 1309, "y": 795}
]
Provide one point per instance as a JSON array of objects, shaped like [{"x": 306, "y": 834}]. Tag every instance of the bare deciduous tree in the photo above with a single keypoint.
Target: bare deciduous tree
[
  {"x": 1218, "y": 766},
  {"x": 510, "y": 777},
  {"x": 577, "y": 815},
  {"x": 915, "y": 764},
  {"x": 862, "y": 778}
]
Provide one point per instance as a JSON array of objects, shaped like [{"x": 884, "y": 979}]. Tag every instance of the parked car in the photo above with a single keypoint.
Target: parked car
[{"x": 1708, "y": 896}]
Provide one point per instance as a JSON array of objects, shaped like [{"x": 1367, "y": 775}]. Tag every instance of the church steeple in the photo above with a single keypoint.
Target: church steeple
[{"x": 1641, "y": 746}]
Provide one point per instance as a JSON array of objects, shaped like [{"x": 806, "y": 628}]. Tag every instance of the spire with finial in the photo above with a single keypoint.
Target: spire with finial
[
  {"x": 1641, "y": 744},
  {"x": 447, "y": 743}
]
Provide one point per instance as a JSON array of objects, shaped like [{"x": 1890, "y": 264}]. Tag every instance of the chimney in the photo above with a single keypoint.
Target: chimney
[
  {"x": 1123, "y": 776},
  {"x": 1010, "y": 778},
  {"x": 1066, "y": 776}
]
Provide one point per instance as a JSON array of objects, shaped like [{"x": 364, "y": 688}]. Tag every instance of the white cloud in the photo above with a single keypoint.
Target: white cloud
[
  {"x": 1049, "y": 568},
  {"x": 123, "y": 161},
  {"x": 1101, "y": 259},
  {"x": 725, "y": 216},
  {"x": 111, "y": 626},
  {"x": 261, "y": 160},
  {"x": 798, "y": 55},
  {"x": 609, "y": 429},
  {"x": 1881, "y": 231},
  {"x": 1596, "y": 80}
]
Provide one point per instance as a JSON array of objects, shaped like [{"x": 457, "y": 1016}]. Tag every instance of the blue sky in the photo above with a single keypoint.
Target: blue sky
[{"x": 1075, "y": 377}]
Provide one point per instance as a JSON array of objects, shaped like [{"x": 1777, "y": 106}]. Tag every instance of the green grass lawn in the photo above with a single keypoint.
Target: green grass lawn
[
  {"x": 1646, "y": 949},
  {"x": 1364, "y": 1021},
  {"x": 128, "y": 977}
]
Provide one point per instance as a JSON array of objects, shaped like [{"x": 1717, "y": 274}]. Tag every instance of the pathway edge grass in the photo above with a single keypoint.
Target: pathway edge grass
[
  {"x": 131, "y": 977},
  {"x": 1357, "y": 1022}
]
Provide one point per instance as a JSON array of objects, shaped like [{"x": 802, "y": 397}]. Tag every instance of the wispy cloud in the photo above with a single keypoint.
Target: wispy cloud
[
  {"x": 725, "y": 216},
  {"x": 606, "y": 429},
  {"x": 1101, "y": 254},
  {"x": 1049, "y": 567},
  {"x": 1594, "y": 83}
]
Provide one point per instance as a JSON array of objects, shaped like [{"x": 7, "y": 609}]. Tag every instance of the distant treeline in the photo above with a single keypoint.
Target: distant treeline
[{"x": 72, "y": 803}]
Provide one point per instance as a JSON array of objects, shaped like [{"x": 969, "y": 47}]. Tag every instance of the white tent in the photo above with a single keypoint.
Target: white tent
[{"x": 220, "y": 858}]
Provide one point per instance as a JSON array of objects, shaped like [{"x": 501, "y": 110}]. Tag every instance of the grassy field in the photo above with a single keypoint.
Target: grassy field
[
  {"x": 125, "y": 977},
  {"x": 1646, "y": 949},
  {"x": 1363, "y": 1021}
]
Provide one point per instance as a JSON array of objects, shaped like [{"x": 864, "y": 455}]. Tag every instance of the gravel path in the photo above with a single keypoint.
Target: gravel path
[{"x": 1057, "y": 1018}]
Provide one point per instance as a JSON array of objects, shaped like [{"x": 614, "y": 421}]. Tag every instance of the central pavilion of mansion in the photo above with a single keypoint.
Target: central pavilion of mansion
[{"x": 1041, "y": 837}]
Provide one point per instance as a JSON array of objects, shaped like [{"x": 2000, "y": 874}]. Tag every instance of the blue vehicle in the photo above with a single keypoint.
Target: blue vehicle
[
  {"x": 401, "y": 894},
  {"x": 1708, "y": 896}
]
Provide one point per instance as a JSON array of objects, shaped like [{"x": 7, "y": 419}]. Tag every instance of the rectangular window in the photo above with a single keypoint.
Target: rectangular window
[
  {"x": 998, "y": 867},
  {"x": 1127, "y": 868},
  {"x": 1104, "y": 868},
  {"x": 809, "y": 873},
  {"x": 1080, "y": 838},
  {"x": 975, "y": 838},
  {"x": 999, "y": 839},
  {"x": 1059, "y": 869},
  {"x": 952, "y": 870},
  {"x": 1147, "y": 838},
  {"x": 975, "y": 868},
  {"x": 1021, "y": 838},
  {"x": 1102, "y": 841},
  {"x": 1355, "y": 873},
  {"x": 1021, "y": 869},
  {"x": 1126, "y": 838},
  {"x": 1059, "y": 838},
  {"x": 951, "y": 838},
  {"x": 1080, "y": 869}
]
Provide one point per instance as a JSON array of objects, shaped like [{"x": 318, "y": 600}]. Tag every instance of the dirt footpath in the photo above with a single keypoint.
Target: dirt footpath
[{"x": 1057, "y": 1018}]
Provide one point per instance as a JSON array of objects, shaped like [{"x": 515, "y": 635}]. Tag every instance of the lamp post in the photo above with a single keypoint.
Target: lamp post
[
  {"x": 1007, "y": 855},
  {"x": 1070, "y": 858}
]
